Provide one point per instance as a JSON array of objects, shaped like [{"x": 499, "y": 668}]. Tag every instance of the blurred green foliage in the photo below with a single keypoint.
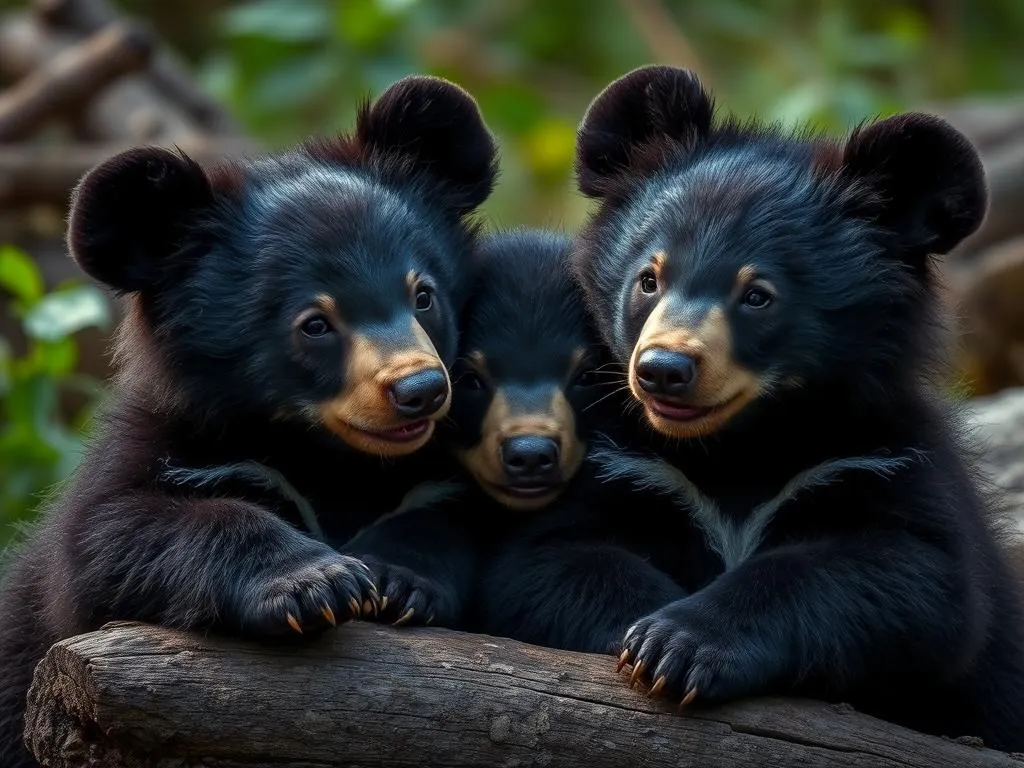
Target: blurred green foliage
[
  {"x": 291, "y": 68},
  {"x": 37, "y": 449}
]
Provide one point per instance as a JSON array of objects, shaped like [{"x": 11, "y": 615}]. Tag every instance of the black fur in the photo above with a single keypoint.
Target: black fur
[
  {"x": 885, "y": 584},
  {"x": 529, "y": 363},
  {"x": 255, "y": 288}
]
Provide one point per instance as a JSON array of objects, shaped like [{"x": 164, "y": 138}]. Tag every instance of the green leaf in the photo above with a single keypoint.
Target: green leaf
[
  {"x": 56, "y": 359},
  {"x": 66, "y": 312},
  {"x": 295, "y": 20},
  {"x": 6, "y": 357},
  {"x": 20, "y": 275}
]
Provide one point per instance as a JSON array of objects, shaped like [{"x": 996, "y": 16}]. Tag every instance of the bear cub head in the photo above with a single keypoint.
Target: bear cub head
[
  {"x": 732, "y": 265},
  {"x": 531, "y": 375},
  {"x": 321, "y": 285}
]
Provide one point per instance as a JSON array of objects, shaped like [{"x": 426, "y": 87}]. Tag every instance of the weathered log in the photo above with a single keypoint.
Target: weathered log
[
  {"x": 134, "y": 695},
  {"x": 70, "y": 80},
  {"x": 168, "y": 71},
  {"x": 42, "y": 173}
]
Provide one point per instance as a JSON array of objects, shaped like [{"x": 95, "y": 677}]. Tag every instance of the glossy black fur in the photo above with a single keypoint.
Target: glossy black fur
[
  {"x": 887, "y": 589},
  {"x": 219, "y": 267},
  {"x": 497, "y": 570},
  {"x": 577, "y": 574}
]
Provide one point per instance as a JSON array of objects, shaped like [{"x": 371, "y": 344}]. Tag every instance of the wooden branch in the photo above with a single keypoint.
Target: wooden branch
[
  {"x": 168, "y": 72},
  {"x": 132, "y": 695},
  {"x": 130, "y": 108},
  {"x": 70, "y": 80},
  {"x": 45, "y": 173}
]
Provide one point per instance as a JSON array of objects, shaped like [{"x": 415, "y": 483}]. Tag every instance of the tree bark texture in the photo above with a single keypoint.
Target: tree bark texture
[{"x": 364, "y": 695}]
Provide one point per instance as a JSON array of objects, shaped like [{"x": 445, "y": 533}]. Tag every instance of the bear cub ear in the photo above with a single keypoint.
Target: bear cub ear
[
  {"x": 927, "y": 180},
  {"x": 127, "y": 212},
  {"x": 438, "y": 126},
  {"x": 646, "y": 104}
]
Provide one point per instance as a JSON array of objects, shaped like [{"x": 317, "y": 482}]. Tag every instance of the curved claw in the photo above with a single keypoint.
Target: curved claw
[
  {"x": 638, "y": 669},
  {"x": 623, "y": 660},
  {"x": 353, "y": 605},
  {"x": 688, "y": 698},
  {"x": 329, "y": 615},
  {"x": 657, "y": 688},
  {"x": 384, "y": 602},
  {"x": 294, "y": 623},
  {"x": 403, "y": 618}
]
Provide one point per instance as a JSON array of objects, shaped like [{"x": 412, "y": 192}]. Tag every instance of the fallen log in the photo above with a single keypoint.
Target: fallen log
[
  {"x": 70, "y": 80},
  {"x": 133, "y": 695}
]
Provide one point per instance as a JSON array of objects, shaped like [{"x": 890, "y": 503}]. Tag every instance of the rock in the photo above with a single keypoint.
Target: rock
[{"x": 998, "y": 422}]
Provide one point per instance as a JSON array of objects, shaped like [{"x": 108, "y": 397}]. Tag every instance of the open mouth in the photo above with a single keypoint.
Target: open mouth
[{"x": 405, "y": 433}]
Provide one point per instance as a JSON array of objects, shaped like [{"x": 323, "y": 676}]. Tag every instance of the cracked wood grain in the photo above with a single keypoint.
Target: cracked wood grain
[{"x": 137, "y": 695}]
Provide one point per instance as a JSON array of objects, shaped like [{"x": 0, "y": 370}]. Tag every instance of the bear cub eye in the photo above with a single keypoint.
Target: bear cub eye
[
  {"x": 315, "y": 327},
  {"x": 424, "y": 299},
  {"x": 469, "y": 379},
  {"x": 648, "y": 282},
  {"x": 587, "y": 378},
  {"x": 757, "y": 297}
]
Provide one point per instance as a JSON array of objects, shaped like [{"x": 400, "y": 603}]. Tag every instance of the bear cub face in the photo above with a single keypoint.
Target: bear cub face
[
  {"x": 529, "y": 374},
  {"x": 322, "y": 285},
  {"x": 732, "y": 265}
]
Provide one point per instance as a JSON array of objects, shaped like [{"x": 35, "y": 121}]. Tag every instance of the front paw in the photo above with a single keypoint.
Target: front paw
[
  {"x": 308, "y": 597},
  {"x": 406, "y": 598},
  {"x": 688, "y": 652}
]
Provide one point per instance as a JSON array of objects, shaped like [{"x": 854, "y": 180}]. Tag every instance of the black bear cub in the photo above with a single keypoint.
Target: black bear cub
[
  {"x": 530, "y": 386},
  {"x": 292, "y": 319},
  {"x": 773, "y": 297},
  {"x": 529, "y": 371}
]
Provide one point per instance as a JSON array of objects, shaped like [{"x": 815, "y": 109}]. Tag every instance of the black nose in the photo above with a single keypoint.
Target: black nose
[
  {"x": 530, "y": 458},
  {"x": 421, "y": 394},
  {"x": 664, "y": 372}
]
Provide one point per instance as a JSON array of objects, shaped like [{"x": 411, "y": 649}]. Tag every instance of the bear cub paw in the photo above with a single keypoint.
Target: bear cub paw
[
  {"x": 685, "y": 654},
  {"x": 408, "y": 599},
  {"x": 311, "y": 596}
]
